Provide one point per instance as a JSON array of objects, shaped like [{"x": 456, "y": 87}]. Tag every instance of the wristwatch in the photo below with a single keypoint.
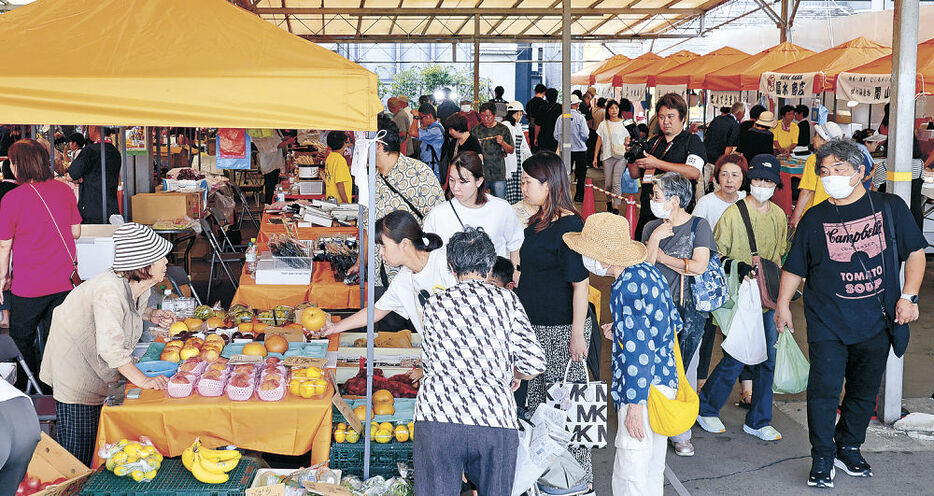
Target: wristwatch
[{"x": 912, "y": 298}]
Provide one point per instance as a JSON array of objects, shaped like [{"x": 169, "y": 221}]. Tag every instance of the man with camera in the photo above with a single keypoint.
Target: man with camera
[
  {"x": 674, "y": 150},
  {"x": 849, "y": 249}
]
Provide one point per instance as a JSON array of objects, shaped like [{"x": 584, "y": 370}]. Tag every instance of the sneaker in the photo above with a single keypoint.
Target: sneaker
[
  {"x": 851, "y": 461},
  {"x": 683, "y": 448},
  {"x": 822, "y": 473},
  {"x": 711, "y": 424},
  {"x": 767, "y": 433}
]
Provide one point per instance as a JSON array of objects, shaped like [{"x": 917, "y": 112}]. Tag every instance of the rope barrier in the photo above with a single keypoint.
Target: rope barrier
[{"x": 628, "y": 198}]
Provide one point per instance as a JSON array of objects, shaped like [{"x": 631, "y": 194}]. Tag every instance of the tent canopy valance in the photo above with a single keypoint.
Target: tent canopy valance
[
  {"x": 744, "y": 74},
  {"x": 692, "y": 73},
  {"x": 645, "y": 75},
  {"x": 608, "y": 75},
  {"x": 866, "y": 77},
  {"x": 834, "y": 60},
  {"x": 204, "y": 63}
]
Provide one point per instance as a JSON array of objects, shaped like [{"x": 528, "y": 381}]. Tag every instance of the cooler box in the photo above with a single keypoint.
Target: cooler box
[{"x": 95, "y": 249}]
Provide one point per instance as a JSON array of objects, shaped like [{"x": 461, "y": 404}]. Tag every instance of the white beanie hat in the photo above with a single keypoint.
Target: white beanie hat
[{"x": 137, "y": 246}]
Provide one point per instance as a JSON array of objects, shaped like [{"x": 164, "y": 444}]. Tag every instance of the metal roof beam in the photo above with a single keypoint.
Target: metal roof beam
[
  {"x": 468, "y": 38},
  {"x": 472, "y": 11}
]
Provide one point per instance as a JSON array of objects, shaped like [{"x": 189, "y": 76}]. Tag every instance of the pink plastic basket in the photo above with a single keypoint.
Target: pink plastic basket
[
  {"x": 176, "y": 390},
  {"x": 273, "y": 394},
  {"x": 239, "y": 393},
  {"x": 210, "y": 387}
]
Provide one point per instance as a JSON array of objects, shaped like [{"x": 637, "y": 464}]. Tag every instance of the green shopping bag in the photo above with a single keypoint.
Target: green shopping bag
[
  {"x": 723, "y": 316},
  {"x": 791, "y": 367}
]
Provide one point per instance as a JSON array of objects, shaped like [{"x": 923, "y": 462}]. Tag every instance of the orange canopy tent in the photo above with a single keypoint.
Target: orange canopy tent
[
  {"x": 644, "y": 74},
  {"x": 638, "y": 63},
  {"x": 585, "y": 76},
  {"x": 744, "y": 74},
  {"x": 692, "y": 72},
  {"x": 834, "y": 60},
  {"x": 925, "y": 71}
]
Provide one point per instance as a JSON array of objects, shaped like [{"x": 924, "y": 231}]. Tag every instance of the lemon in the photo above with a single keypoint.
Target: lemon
[
  {"x": 385, "y": 426},
  {"x": 340, "y": 436},
  {"x": 313, "y": 373},
  {"x": 137, "y": 475},
  {"x": 341, "y": 426},
  {"x": 121, "y": 470},
  {"x": 383, "y": 437},
  {"x": 151, "y": 474},
  {"x": 352, "y": 436},
  {"x": 402, "y": 433}
]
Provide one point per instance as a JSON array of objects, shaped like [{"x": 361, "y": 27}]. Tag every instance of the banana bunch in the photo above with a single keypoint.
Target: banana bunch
[
  {"x": 207, "y": 465},
  {"x": 140, "y": 461}
]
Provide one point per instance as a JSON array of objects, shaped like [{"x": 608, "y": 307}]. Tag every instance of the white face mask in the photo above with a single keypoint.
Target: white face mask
[
  {"x": 659, "y": 210},
  {"x": 594, "y": 266},
  {"x": 762, "y": 193},
  {"x": 838, "y": 187},
  {"x": 466, "y": 108}
]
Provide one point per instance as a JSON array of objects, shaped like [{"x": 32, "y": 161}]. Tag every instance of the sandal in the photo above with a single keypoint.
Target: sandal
[{"x": 745, "y": 401}]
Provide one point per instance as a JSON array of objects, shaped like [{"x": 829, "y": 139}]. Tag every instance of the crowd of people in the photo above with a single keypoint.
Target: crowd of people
[{"x": 482, "y": 250}]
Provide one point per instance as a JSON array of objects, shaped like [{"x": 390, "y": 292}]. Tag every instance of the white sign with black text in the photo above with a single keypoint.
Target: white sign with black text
[
  {"x": 864, "y": 88},
  {"x": 784, "y": 85}
]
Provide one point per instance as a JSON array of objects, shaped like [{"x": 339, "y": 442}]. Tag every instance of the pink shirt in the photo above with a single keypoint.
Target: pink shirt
[{"x": 41, "y": 265}]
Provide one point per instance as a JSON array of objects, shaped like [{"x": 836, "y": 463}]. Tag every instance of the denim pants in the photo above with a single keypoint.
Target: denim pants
[
  {"x": 498, "y": 188},
  {"x": 861, "y": 365},
  {"x": 719, "y": 385},
  {"x": 443, "y": 452}
]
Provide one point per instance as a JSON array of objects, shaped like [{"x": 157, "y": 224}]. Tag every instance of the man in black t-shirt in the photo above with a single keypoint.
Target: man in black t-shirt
[
  {"x": 86, "y": 169},
  {"x": 545, "y": 123},
  {"x": 674, "y": 150},
  {"x": 723, "y": 132},
  {"x": 849, "y": 249},
  {"x": 532, "y": 108}
]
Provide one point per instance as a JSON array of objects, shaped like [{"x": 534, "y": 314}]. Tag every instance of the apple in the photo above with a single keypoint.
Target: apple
[
  {"x": 272, "y": 360},
  {"x": 210, "y": 355},
  {"x": 180, "y": 379},
  {"x": 241, "y": 381},
  {"x": 243, "y": 368},
  {"x": 218, "y": 366},
  {"x": 187, "y": 366},
  {"x": 170, "y": 356},
  {"x": 213, "y": 375},
  {"x": 269, "y": 385},
  {"x": 273, "y": 376}
]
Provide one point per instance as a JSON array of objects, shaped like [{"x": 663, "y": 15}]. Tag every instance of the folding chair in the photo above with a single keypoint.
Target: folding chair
[
  {"x": 218, "y": 255},
  {"x": 222, "y": 225},
  {"x": 178, "y": 277},
  {"x": 244, "y": 208},
  {"x": 44, "y": 403}
]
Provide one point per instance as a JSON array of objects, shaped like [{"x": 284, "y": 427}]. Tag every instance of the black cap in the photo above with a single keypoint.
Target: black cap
[{"x": 765, "y": 166}]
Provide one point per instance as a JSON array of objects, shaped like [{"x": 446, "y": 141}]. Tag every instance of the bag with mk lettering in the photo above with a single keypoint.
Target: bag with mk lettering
[{"x": 586, "y": 406}]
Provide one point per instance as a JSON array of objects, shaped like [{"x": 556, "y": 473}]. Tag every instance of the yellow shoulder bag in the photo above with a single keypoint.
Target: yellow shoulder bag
[{"x": 672, "y": 417}]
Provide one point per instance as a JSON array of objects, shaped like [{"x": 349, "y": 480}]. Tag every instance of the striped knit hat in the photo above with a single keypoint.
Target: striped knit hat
[{"x": 137, "y": 246}]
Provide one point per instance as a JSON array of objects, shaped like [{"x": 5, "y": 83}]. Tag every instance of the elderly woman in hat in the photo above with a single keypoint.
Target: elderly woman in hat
[
  {"x": 94, "y": 332},
  {"x": 643, "y": 335}
]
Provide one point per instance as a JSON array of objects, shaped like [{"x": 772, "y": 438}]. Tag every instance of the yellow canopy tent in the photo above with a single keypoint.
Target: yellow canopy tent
[
  {"x": 606, "y": 65},
  {"x": 832, "y": 61},
  {"x": 204, "y": 63}
]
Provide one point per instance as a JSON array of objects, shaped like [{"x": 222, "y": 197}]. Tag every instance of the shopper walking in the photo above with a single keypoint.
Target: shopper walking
[
  {"x": 423, "y": 271},
  {"x": 86, "y": 169},
  {"x": 612, "y": 138},
  {"x": 758, "y": 139},
  {"x": 730, "y": 175},
  {"x": 679, "y": 245},
  {"x": 856, "y": 235},
  {"x": 546, "y": 120},
  {"x": 8, "y": 184},
  {"x": 553, "y": 283},
  {"x": 460, "y": 141},
  {"x": 767, "y": 221},
  {"x": 470, "y": 205},
  {"x": 426, "y": 128},
  {"x": 534, "y": 106},
  {"x": 521, "y": 152},
  {"x": 723, "y": 132},
  {"x": 39, "y": 222},
  {"x": 475, "y": 334},
  {"x": 95, "y": 331},
  {"x": 579, "y": 132},
  {"x": 642, "y": 335},
  {"x": 496, "y": 141}
]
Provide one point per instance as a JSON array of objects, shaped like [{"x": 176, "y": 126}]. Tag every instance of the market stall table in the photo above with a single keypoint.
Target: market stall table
[{"x": 292, "y": 426}]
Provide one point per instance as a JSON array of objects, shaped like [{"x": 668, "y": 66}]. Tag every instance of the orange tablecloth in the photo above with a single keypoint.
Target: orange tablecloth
[
  {"x": 323, "y": 291},
  {"x": 292, "y": 426}
]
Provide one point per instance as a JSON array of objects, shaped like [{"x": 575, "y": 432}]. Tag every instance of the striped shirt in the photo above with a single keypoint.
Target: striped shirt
[{"x": 474, "y": 335}]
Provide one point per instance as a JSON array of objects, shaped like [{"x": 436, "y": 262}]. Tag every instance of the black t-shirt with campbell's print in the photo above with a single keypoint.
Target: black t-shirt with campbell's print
[{"x": 841, "y": 295}]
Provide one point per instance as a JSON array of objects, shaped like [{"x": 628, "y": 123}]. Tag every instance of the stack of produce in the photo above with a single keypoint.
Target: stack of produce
[
  {"x": 137, "y": 459},
  {"x": 207, "y": 465},
  {"x": 378, "y": 486},
  {"x": 399, "y": 385},
  {"x": 309, "y": 382},
  {"x": 272, "y": 380},
  {"x": 32, "y": 485},
  {"x": 208, "y": 349}
]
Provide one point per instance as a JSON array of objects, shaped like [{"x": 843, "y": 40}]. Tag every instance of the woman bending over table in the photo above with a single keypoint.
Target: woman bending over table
[{"x": 94, "y": 332}]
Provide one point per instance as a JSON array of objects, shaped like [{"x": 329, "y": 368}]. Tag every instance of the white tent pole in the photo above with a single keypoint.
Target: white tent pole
[{"x": 370, "y": 278}]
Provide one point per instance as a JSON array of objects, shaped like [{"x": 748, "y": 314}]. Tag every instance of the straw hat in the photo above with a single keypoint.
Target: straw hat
[
  {"x": 766, "y": 119},
  {"x": 605, "y": 238}
]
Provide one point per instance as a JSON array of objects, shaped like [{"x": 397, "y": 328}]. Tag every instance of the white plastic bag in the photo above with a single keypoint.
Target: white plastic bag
[
  {"x": 745, "y": 340},
  {"x": 537, "y": 450}
]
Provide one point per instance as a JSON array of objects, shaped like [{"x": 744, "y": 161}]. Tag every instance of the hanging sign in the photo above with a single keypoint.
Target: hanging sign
[
  {"x": 864, "y": 88},
  {"x": 633, "y": 92},
  {"x": 233, "y": 149},
  {"x": 717, "y": 99},
  {"x": 678, "y": 89},
  {"x": 136, "y": 140},
  {"x": 783, "y": 85}
]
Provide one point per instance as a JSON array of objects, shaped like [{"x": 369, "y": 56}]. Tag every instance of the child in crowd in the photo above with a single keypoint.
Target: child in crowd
[
  {"x": 502, "y": 274},
  {"x": 337, "y": 179}
]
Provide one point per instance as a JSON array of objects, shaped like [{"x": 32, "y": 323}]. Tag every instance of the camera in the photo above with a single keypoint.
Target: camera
[{"x": 637, "y": 144}]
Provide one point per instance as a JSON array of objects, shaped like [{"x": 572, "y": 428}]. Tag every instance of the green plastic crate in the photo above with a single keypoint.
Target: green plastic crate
[
  {"x": 348, "y": 457},
  {"x": 173, "y": 479}
]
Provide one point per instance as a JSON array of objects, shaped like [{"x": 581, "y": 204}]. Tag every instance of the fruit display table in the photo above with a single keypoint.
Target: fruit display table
[{"x": 292, "y": 426}]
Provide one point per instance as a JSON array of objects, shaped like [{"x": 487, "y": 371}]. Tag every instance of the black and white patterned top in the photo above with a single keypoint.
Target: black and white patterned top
[{"x": 475, "y": 333}]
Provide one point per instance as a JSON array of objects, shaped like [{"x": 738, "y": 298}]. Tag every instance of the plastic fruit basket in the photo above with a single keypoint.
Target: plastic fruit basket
[
  {"x": 172, "y": 479},
  {"x": 348, "y": 457}
]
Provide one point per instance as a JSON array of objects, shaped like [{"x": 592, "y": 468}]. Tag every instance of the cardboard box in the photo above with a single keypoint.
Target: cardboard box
[
  {"x": 50, "y": 462},
  {"x": 150, "y": 207},
  {"x": 95, "y": 249},
  {"x": 290, "y": 334}
]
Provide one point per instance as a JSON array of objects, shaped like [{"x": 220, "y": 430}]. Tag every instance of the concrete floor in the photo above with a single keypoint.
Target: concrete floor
[{"x": 737, "y": 463}]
